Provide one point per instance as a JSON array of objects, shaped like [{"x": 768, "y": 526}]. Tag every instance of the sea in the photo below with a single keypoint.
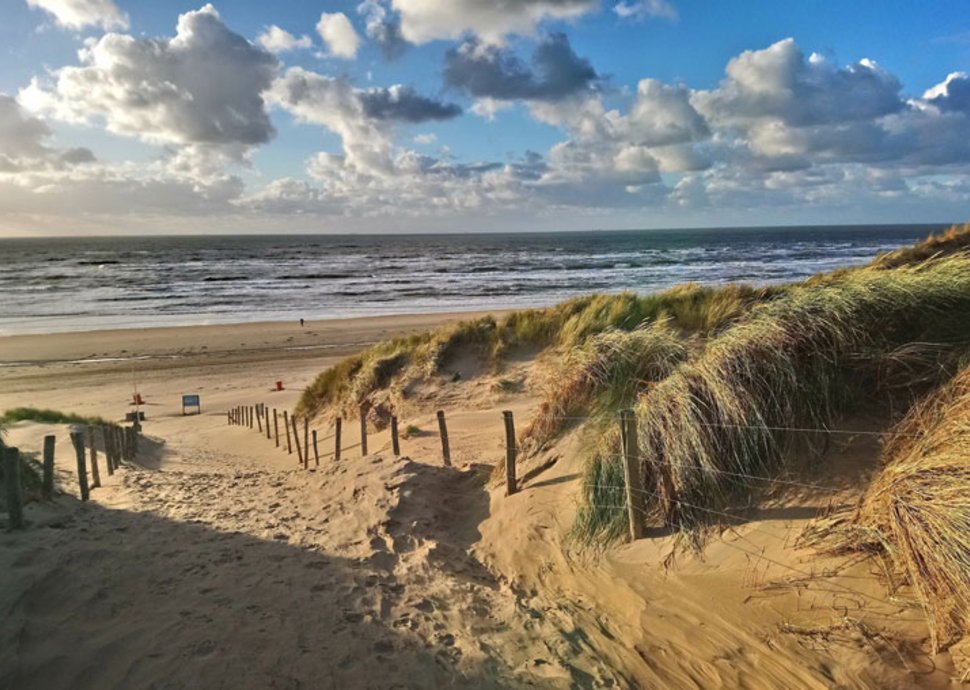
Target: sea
[{"x": 76, "y": 284}]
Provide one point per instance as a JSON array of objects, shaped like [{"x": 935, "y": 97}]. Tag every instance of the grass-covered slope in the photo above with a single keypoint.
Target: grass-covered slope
[
  {"x": 795, "y": 362},
  {"x": 566, "y": 326},
  {"x": 916, "y": 512}
]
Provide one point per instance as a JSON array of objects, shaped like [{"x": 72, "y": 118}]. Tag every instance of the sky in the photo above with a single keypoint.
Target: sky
[{"x": 382, "y": 116}]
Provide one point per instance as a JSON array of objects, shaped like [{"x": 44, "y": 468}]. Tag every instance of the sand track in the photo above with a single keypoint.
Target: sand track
[{"x": 220, "y": 574}]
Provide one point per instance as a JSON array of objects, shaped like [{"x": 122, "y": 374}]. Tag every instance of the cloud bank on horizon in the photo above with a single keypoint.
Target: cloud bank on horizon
[{"x": 503, "y": 124}]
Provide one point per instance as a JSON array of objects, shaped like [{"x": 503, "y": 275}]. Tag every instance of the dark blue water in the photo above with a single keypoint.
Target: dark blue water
[{"x": 84, "y": 283}]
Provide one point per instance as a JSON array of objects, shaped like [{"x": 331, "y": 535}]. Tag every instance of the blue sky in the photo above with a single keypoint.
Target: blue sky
[{"x": 411, "y": 115}]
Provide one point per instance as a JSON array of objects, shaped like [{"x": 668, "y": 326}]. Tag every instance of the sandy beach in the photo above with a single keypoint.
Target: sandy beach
[{"x": 217, "y": 561}]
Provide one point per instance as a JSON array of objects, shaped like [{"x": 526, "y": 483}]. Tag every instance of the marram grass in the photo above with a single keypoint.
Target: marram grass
[
  {"x": 604, "y": 374},
  {"x": 796, "y": 361},
  {"x": 688, "y": 308},
  {"x": 916, "y": 513}
]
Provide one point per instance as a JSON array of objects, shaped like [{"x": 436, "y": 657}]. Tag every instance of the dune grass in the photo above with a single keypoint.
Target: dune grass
[
  {"x": 45, "y": 416},
  {"x": 603, "y": 375},
  {"x": 954, "y": 239},
  {"x": 689, "y": 308},
  {"x": 916, "y": 512},
  {"x": 796, "y": 361}
]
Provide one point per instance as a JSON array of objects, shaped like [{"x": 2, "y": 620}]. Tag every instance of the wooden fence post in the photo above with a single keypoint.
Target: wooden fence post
[
  {"x": 93, "y": 447},
  {"x": 306, "y": 442},
  {"x": 286, "y": 426},
  {"x": 316, "y": 452},
  {"x": 108, "y": 455},
  {"x": 296, "y": 439},
  {"x": 276, "y": 426},
  {"x": 511, "y": 453},
  {"x": 15, "y": 496},
  {"x": 443, "y": 432},
  {"x": 252, "y": 416},
  {"x": 259, "y": 420},
  {"x": 77, "y": 438},
  {"x": 269, "y": 434},
  {"x": 636, "y": 506},
  {"x": 395, "y": 443},
  {"x": 47, "y": 486},
  {"x": 336, "y": 442},
  {"x": 363, "y": 431},
  {"x": 121, "y": 452}
]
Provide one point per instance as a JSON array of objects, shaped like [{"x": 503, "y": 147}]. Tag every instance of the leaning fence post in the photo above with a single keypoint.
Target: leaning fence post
[
  {"x": 443, "y": 432},
  {"x": 47, "y": 487},
  {"x": 276, "y": 427},
  {"x": 306, "y": 443},
  {"x": 296, "y": 439},
  {"x": 77, "y": 438},
  {"x": 336, "y": 435},
  {"x": 395, "y": 443},
  {"x": 316, "y": 452},
  {"x": 286, "y": 426},
  {"x": 636, "y": 506},
  {"x": 15, "y": 497},
  {"x": 511, "y": 452},
  {"x": 363, "y": 431},
  {"x": 95, "y": 472}
]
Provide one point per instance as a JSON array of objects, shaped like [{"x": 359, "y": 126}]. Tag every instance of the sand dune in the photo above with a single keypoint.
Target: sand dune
[{"x": 217, "y": 562}]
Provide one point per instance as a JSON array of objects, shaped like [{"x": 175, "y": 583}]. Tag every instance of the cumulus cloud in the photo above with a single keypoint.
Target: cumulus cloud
[
  {"x": 427, "y": 20},
  {"x": 383, "y": 28},
  {"x": 950, "y": 95},
  {"x": 24, "y": 142},
  {"x": 339, "y": 35},
  {"x": 484, "y": 71},
  {"x": 404, "y": 104},
  {"x": 200, "y": 90},
  {"x": 643, "y": 9},
  {"x": 362, "y": 118},
  {"x": 277, "y": 40},
  {"x": 79, "y": 14},
  {"x": 779, "y": 84}
]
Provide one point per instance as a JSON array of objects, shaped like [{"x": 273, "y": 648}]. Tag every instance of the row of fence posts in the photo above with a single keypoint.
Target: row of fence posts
[
  {"x": 258, "y": 417},
  {"x": 635, "y": 499},
  {"x": 119, "y": 443}
]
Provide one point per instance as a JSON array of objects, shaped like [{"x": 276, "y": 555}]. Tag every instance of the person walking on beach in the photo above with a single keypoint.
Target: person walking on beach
[{"x": 301, "y": 323}]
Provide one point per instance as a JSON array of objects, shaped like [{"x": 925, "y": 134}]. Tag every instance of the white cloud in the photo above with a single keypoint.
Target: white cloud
[
  {"x": 642, "y": 9},
  {"x": 24, "y": 143},
  {"x": 78, "y": 14},
  {"x": 383, "y": 28},
  {"x": 427, "y": 20},
  {"x": 277, "y": 40},
  {"x": 200, "y": 90},
  {"x": 339, "y": 35},
  {"x": 488, "y": 108},
  {"x": 426, "y": 138}
]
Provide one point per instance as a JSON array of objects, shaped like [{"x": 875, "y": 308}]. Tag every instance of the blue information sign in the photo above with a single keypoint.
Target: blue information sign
[{"x": 191, "y": 401}]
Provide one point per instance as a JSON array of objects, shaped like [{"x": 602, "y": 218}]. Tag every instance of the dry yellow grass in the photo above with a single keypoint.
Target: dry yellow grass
[{"x": 917, "y": 511}]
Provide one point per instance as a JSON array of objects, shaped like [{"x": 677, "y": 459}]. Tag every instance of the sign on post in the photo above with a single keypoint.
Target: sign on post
[{"x": 192, "y": 401}]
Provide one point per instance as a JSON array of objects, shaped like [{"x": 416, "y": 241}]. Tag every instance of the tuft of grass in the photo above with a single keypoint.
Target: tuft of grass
[
  {"x": 796, "y": 361},
  {"x": 410, "y": 431},
  {"x": 916, "y": 513},
  {"x": 955, "y": 239},
  {"x": 33, "y": 414},
  {"x": 605, "y": 374}
]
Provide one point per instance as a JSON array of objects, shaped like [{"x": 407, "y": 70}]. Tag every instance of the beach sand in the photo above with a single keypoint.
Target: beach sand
[{"x": 217, "y": 561}]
